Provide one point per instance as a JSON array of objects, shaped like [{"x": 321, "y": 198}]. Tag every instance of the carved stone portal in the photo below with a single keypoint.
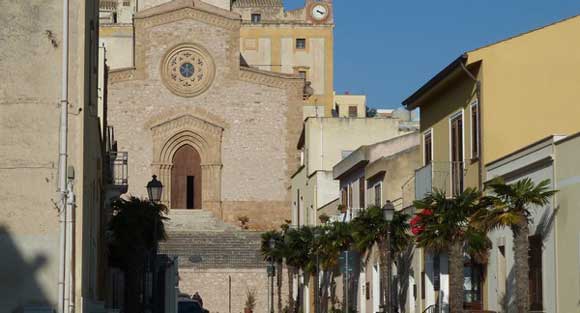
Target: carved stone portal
[{"x": 203, "y": 136}]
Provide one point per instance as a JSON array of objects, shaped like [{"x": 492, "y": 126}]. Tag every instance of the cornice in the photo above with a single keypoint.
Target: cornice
[
  {"x": 182, "y": 9},
  {"x": 122, "y": 74},
  {"x": 272, "y": 79}
]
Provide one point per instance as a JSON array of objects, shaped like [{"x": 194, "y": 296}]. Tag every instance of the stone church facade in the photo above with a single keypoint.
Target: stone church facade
[{"x": 220, "y": 136}]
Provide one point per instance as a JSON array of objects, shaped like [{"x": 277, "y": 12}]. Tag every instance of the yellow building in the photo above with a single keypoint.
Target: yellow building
[
  {"x": 493, "y": 100},
  {"x": 297, "y": 42}
]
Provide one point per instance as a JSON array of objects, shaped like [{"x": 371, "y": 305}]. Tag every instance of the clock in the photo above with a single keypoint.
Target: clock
[{"x": 319, "y": 12}]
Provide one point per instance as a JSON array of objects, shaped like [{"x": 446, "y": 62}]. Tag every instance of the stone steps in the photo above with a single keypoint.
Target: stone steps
[{"x": 199, "y": 234}]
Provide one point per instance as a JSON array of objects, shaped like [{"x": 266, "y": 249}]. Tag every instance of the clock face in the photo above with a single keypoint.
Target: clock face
[{"x": 319, "y": 12}]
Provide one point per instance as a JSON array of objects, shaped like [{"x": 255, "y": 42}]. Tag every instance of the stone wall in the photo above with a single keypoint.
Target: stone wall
[
  {"x": 259, "y": 114},
  {"x": 214, "y": 287}
]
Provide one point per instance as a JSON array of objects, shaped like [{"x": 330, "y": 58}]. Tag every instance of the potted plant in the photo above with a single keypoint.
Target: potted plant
[
  {"x": 244, "y": 220},
  {"x": 250, "y": 301}
]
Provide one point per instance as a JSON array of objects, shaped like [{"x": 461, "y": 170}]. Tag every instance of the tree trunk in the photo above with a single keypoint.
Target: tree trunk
[
  {"x": 133, "y": 289},
  {"x": 279, "y": 286},
  {"x": 522, "y": 267},
  {"x": 290, "y": 289},
  {"x": 456, "y": 277},
  {"x": 383, "y": 263}
]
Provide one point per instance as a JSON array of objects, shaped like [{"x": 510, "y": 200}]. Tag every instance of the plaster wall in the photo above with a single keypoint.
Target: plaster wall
[
  {"x": 535, "y": 163},
  {"x": 520, "y": 76},
  {"x": 30, "y": 50},
  {"x": 567, "y": 178}
]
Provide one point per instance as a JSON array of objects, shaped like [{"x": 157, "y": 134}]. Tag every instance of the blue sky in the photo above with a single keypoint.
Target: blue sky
[{"x": 389, "y": 48}]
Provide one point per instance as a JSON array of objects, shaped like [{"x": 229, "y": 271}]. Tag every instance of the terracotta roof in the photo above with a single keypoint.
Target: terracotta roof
[{"x": 257, "y": 3}]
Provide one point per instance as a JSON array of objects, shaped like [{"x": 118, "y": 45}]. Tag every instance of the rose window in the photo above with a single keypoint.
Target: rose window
[{"x": 188, "y": 70}]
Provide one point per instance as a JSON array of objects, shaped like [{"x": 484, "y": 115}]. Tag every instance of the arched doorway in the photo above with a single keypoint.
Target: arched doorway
[{"x": 186, "y": 179}]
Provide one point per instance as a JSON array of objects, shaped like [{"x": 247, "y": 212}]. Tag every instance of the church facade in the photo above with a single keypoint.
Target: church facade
[{"x": 219, "y": 135}]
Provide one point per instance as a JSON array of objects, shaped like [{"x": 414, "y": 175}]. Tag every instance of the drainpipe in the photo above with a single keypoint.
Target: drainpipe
[
  {"x": 62, "y": 158},
  {"x": 479, "y": 133},
  {"x": 70, "y": 245}
]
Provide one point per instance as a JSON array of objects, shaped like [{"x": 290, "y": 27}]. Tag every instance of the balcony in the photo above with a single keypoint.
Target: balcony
[
  {"x": 118, "y": 170},
  {"x": 117, "y": 163},
  {"x": 444, "y": 176}
]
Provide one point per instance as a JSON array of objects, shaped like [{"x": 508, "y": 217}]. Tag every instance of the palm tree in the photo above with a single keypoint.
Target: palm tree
[
  {"x": 511, "y": 206},
  {"x": 370, "y": 228},
  {"x": 276, "y": 254},
  {"x": 135, "y": 230},
  {"x": 447, "y": 229},
  {"x": 298, "y": 253},
  {"x": 332, "y": 239}
]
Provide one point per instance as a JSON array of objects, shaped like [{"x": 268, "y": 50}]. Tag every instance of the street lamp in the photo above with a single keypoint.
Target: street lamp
[
  {"x": 388, "y": 215},
  {"x": 272, "y": 273},
  {"x": 154, "y": 189}
]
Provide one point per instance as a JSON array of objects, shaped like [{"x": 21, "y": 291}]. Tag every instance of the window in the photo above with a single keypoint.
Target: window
[
  {"x": 349, "y": 196},
  {"x": 300, "y": 43},
  {"x": 475, "y": 130},
  {"x": 428, "y": 147},
  {"x": 352, "y": 111},
  {"x": 457, "y": 153},
  {"x": 535, "y": 262},
  {"x": 256, "y": 18},
  {"x": 302, "y": 74},
  {"x": 361, "y": 192},
  {"x": 344, "y": 197},
  {"x": 378, "y": 195}
]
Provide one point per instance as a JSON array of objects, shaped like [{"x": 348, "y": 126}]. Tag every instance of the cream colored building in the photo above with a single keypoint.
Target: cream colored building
[
  {"x": 371, "y": 176},
  {"x": 324, "y": 142},
  {"x": 348, "y": 105},
  {"x": 297, "y": 42},
  {"x": 32, "y": 43}
]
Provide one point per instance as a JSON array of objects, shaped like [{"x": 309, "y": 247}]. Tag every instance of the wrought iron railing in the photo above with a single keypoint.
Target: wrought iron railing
[
  {"x": 118, "y": 174},
  {"x": 447, "y": 177},
  {"x": 108, "y": 5}
]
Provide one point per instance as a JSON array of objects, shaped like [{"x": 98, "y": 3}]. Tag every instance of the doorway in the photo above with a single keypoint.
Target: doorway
[{"x": 186, "y": 179}]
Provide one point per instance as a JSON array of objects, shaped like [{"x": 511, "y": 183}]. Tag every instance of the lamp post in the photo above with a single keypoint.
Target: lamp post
[
  {"x": 154, "y": 190},
  {"x": 271, "y": 273},
  {"x": 388, "y": 214}
]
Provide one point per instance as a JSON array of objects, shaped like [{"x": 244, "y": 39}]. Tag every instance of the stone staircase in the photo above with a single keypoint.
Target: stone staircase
[{"x": 202, "y": 241}]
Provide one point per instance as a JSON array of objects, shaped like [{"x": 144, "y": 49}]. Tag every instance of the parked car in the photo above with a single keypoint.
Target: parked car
[{"x": 187, "y": 305}]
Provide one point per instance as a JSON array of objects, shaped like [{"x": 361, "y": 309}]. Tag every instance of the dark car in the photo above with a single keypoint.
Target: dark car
[{"x": 189, "y": 306}]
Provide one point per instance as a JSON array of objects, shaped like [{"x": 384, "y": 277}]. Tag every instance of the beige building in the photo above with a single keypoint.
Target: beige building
[
  {"x": 371, "y": 176},
  {"x": 31, "y": 50},
  {"x": 348, "y": 105},
  {"x": 219, "y": 135},
  {"x": 291, "y": 42},
  {"x": 324, "y": 142}
]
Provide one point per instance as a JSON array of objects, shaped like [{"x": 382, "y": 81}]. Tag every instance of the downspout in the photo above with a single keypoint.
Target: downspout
[
  {"x": 480, "y": 130},
  {"x": 70, "y": 245},
  {"x": 62, "y": 158}
]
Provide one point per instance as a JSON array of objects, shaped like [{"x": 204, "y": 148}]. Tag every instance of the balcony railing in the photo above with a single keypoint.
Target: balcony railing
[
  {"x": 447, "y": 177},
  {"x": 118, "y": 174},
  {"x": 108, "y": 5}
]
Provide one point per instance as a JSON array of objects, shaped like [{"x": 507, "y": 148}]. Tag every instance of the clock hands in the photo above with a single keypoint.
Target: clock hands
[{"x": 319, "y": 11}]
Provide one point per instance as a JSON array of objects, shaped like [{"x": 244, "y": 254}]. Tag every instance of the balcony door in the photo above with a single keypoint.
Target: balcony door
[
  {"x": 457, "y": 154},
  {"x": 186, "y": 179}
]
